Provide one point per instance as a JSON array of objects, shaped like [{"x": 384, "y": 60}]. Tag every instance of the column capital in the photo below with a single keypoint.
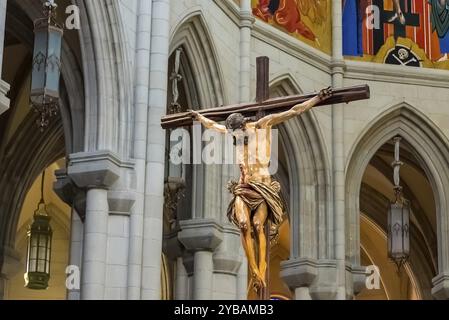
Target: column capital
[
  {"x": 64, "y": 187},
  {"x": 300, "y": 272},
  {"x": 120, "y": 202},
  {"x": 338, "y": 66},
  {"x": 357, "y": 276},
  {"x": 440, "y": 289},
  {"x": 96, "y": 169},
  {"x": 68, "y": 192},
  {"x": 200, "y": 234},
  {"x": 228, "y": 256},
  {"x": 171, "y": 246},
  {"x": 320, "y": 276},
  {"x": 247, "y": 20}
]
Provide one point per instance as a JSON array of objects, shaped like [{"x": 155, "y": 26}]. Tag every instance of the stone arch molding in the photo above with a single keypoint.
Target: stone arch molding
[
  {"x": 205, "y": 85},
  {"x": 193, "y": 35},
  {"x": 96, "y": 107},
  {"x": 107, "y": 78},
  {"x": 431, "y": 148},
  {"x": 309, "y": 173},
  {"x": 99, "y": 113}
]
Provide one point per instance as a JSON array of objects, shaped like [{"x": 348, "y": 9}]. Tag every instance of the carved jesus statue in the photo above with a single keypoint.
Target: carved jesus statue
[{"x": 256, "y": 196}]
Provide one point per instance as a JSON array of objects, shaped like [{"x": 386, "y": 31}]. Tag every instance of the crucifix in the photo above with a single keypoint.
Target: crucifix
[
  {"x": 400, "y": 17},
  {"x": 257, "y": 208}
]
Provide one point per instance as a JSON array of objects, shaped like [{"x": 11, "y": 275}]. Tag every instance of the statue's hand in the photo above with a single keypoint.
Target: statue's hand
[
  {"x": 194, "y": 114},
  {"x": 326, "y": 93}
]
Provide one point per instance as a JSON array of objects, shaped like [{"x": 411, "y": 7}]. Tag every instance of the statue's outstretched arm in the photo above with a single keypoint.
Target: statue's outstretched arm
[
  {"x": 208, "y": 123},
  {"x": 278, "y": 118}
]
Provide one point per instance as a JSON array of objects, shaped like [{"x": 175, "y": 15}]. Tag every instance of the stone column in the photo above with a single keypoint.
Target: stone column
[
  {"x": 76, "y": 250},
  {"x": 94, "y": 172},
  {"x": 120, "y": 201},
  {"x": 155, "y": 157},
  {"x": 181, "y": 282},
  {"x": 65, "y": 188},
  {"x": 95, "y": 244},
  {"x": 227, "y": 265},
  {"x": 203, "y": 269},
  {"x": 4, "y": 87},
  {"x": 174, "y": 251},
  {"x": 141, "y": 95},
  {"x": 338, "y": 148},
  {"x": 246, "y": 25},
  {"x": 201, "y": 237}
]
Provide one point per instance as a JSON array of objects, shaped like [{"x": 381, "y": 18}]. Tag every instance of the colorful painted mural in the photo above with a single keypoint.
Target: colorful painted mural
[
  {"x": 307, "y": 20},
  {"x": 402, "y": 32}
]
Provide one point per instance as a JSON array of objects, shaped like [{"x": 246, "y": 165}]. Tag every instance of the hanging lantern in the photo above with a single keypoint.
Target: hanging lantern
[
  {"x": 44, "y": 96},
  {"x": 398, "y": 218},
  {"x": 40, "y": 234}
]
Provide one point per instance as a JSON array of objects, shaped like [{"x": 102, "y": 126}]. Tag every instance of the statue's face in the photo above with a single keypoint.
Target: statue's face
[{"x": 236, "y": 121}]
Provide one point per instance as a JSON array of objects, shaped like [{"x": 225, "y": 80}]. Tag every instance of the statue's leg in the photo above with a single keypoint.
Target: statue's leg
[
  {"x": 259, "y": 219},
  {"x": 243, "y": 215}
]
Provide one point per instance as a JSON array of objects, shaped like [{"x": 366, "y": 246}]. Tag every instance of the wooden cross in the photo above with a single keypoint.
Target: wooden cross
[{"x": 263, "y": 106}]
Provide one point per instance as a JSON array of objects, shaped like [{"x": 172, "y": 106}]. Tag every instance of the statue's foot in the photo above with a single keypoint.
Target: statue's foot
[{"x": 257, "y": 282}]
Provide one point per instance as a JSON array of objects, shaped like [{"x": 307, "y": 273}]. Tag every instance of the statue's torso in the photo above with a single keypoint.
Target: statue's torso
[{"x": 253, "y": 150}]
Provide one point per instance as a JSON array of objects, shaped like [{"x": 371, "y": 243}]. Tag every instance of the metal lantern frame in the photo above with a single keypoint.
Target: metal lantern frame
[
  {"x": 398, "y": 217},
  {"x": 46, "y": 69},
  {"x": 39, "y": 242}
]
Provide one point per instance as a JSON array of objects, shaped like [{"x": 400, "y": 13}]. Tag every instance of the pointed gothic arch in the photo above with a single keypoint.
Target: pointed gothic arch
[
  {"x": 309, "y": 171},
  {"x": 431, "y": 149},
  {"x": 95, "y": 113},
  {"x": 201, "y": 58}
]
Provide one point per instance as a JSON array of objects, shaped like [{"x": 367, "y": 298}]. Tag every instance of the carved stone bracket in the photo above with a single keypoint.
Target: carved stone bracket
[
  {"x": 318, "y": 275},
  {"x": 440, "y": 288},
  {"x": 68, "y": 192},
  {"x": 94, "y": 170},
  {"x": 200, "y": 235},
  {"x": 227, "y": 256},
  {"x": 357, "y": 276}
]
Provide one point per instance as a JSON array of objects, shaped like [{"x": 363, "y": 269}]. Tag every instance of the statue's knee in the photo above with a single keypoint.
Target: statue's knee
[
  {"x": 243, "y": 225},
  {"x": 258, "y": 226}
]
